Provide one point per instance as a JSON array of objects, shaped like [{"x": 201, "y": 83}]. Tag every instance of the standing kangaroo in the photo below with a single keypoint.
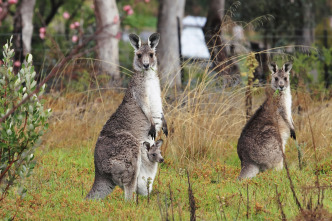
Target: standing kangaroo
[
  {"x": 140, "y": 115},
  {"x": 263, "y": 139}
]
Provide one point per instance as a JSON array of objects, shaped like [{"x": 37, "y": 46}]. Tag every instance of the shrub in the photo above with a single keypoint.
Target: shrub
[{"x": 19, "y": 133}]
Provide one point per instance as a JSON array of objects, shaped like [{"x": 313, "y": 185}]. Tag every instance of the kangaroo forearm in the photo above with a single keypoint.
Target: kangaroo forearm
[
  {"x": 290, "y": 126},
  {"x": 163, "y": 120}
]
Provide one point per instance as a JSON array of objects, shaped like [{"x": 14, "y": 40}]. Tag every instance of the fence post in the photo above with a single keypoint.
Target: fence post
[
  {"x": 326, "y": 68},
  {"x": 180, "y": 50}
]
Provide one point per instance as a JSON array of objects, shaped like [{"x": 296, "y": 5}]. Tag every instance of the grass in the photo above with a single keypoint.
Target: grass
[
  {"x": 63, "y": 178},
  {"x": 204, "y": 125}
]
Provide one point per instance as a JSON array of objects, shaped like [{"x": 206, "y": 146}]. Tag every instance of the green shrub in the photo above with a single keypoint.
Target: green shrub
[{"x": 20, "y": 132}]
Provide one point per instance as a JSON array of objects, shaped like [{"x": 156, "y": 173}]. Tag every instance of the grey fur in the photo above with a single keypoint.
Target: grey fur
[
  {"x": 264, "y": 136},
  {"x": 120, "y": 142},
  {"x": 154, "y": 152},
  {"x": 116, "y": 163}
]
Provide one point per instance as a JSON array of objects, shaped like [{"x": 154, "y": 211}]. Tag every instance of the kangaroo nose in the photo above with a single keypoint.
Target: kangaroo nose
[
  {"x": 161, "y": 160},
  {"x": 146, "y": 66}
]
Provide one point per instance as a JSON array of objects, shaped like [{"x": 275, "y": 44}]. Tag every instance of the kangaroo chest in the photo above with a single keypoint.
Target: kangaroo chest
[
  {"x": 286, "y": 111},
  {"x": 285, "y": 108},
  {"x": 152, "y": 88}
]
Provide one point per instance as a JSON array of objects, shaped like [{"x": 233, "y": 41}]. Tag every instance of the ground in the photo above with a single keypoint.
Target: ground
[{"x": 203, "y": 138}]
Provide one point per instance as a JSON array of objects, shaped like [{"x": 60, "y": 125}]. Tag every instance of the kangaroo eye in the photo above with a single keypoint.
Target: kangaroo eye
[
  {"x": 285, "y": 79},
  {"x": 276, "y": 79},
  {"x": 139, "y": 55},
  {"x": 151, "y": 55}
]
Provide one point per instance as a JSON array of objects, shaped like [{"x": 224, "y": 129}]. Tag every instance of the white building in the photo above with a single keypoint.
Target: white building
[{"x": 192, "y": 38}]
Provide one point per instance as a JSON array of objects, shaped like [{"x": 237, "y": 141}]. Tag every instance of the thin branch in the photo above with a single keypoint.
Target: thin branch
[
  {"x": 280, "y": 205},
  {"x": 73, "y": 54}
]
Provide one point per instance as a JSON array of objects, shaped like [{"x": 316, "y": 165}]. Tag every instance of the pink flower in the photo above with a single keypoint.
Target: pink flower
[
  {"x": 130, "y": 12},
  {"x": 12, "y": 2},
  {"x": 42, "y": 30},
  {"x": 116, "y": 19},
  {"x": 42, "y": 35},
  {"x": 126, "y": 8},
  {"x": 66, "y": 15},
  {"x": 72, "y": 26},
  {"x": 118, "y": 35},
  {"x": 77, "y": 24},
  {"x": 74, "y": 39},
  {"x": 147, "y": 1},
  {"x": 17, "y": 63}
]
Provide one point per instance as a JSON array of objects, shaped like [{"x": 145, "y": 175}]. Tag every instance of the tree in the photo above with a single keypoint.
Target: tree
[
  {"x": 216, "y": 45},
  {"x": 23, "y": 29},
  {"x": 27, "y": 7},
  {"x": 107, "y": 18},
  {"x": 168, "y": 48},
  {"x": 213, "y": 33}
]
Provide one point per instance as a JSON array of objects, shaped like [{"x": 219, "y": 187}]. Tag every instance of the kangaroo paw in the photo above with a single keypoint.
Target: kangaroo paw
[
  {"x": 164, "y": 125},
  {"x": 152, "y": 131},
  {"x": 292, "y": 134},
  {"x": 165, "y": 130}
]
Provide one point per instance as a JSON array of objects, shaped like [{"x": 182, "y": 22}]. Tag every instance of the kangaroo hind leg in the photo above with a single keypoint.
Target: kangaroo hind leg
[
  {"x": 129, "y": 189},
  {"x": 248, "y": 171},
  {"x": 101, "y": 188}
]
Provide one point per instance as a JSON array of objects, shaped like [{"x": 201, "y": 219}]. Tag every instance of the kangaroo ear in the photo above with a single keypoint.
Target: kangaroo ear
[
  {"x": 273, "y": 67},
  {"x": 147, "y": 145},
  {"x": 287, "y": 67},
  {"x": 154, "y": 40},
  {"x": 159, "y": 143},
  {"x": 135, "y": 41}
]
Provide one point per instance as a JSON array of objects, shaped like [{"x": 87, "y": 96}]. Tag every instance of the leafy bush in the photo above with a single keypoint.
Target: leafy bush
[{"x": 20, "y": 132}]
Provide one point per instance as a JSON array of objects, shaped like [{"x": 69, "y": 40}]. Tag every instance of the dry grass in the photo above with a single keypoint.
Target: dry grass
[{"x": 204, "y": 123}]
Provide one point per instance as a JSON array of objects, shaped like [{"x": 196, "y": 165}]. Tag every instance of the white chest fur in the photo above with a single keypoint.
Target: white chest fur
[
  {"x": 287, "y": 108},
  {"x": 288, "y": 104},
  {"x": 154, "y": 95}
]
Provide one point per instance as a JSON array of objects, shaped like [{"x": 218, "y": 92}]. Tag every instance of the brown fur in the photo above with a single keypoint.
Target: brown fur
[
  {"x": 263, "y": 138},
  {"x": 118, "y": 149}
]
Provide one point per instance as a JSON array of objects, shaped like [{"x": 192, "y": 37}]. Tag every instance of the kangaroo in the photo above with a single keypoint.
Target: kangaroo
[
  {"x": 151, "y": 156},
  {"x": 119, "y": 164},
  {"x": 263, "y": 139},
  {"x": 140, "y": 114}
]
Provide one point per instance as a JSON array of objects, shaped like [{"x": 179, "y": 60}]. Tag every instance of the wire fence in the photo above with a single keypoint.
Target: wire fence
[{"x": 47, "y": 53}]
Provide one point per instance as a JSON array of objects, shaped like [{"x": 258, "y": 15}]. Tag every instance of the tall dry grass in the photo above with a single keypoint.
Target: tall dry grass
[{"x": 204, "y": 119}]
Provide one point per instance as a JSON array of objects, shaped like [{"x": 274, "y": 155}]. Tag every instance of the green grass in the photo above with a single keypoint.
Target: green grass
[{"x": 63, "y": 177}]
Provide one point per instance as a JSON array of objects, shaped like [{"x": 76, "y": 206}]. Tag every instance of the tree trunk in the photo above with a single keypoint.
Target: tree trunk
[
  {"x": 213, "y": 38},
  {"x": 308, "y": 21},
  {"x": 17, "y": 37},
  {"x": 27, "y": 8},
  {"x": 168, "y": 48},
  {"x": 107, "y": 13},
  {"x": 23, "y": 29},
  {"x": 212, "y": 32},
  {"x": 305, "y": 34}
]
